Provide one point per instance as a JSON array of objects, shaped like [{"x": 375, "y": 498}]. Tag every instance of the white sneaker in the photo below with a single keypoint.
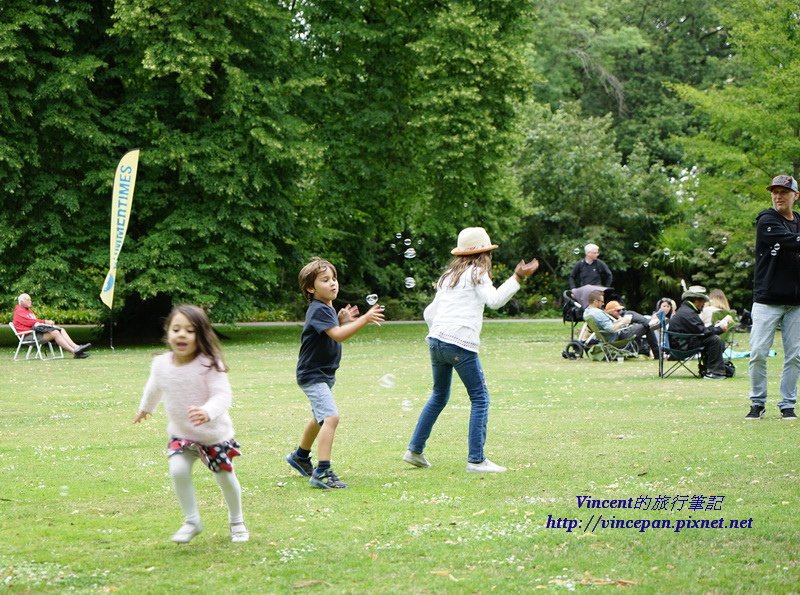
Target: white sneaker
[
  {"x": 187, "y": 532},
  {"x": 418, "y": 460},
  {"x": 485, "y": 467},
  {"x": 239, "y": 533}
]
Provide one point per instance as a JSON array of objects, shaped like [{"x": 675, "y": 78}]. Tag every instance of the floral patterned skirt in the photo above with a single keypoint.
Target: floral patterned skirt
[{"x": 217, "y": 457}]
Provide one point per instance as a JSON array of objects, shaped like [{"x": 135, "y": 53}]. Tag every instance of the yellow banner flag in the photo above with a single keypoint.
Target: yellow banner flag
[{"x": 121, "y": 204}]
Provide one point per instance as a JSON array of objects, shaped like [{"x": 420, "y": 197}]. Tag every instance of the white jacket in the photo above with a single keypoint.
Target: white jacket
[{"x": 456, "y": 314}]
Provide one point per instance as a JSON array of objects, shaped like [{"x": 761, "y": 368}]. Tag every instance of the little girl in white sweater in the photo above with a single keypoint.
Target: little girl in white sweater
[{"x": 193, "y": 382}]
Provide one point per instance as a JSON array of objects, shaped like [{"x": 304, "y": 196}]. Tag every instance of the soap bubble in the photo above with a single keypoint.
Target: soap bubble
[
  {"x": 372, "y": 299},
  {"x": 724, "y": 239},
  {"x": 410, "y": 253},
  {"x": 578, "y": 250},
  {"x": 645, "y": 264},
  {"x": 398, "y": 235},
  {"x": 388, "y": 381},
  {"x": 695, "y": 224},
  {"x": 666, "y": 252},
  {"x": 672, "y": 259},
  {"x": 392, "y": 246},
  {"x": 406, "y": 405},
  {"x": 773, "y": 252},
  {"x": 777, "y": 246},
  {"x": 465, "y": 205},
  {"x": 419, "y": 242},
  {"x": 636, "y": 244},
  {"x": 543, "y": 301},
  {"x": 711, "y": 250},
  {"x": 407, "y": 241},
  {"x": 769, "y": 229},
  {"x": 410, "y": 283}
]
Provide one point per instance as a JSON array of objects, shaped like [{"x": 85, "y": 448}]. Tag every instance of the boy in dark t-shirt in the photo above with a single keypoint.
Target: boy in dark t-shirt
[{"x": 320, "y": 352}]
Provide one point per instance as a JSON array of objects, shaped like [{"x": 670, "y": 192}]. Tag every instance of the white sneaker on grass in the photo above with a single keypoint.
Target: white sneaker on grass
[
  {"x": 187, "y": 532},
  {"x": 416, "y": 459},
  {"x": 485, "y": 467},
  {"x": 239, "y": 533}
]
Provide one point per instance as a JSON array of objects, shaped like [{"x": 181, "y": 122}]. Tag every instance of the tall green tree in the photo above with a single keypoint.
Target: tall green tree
[
  {"x": 211, "y": 93},
  {"x": 580, "y": 190},
  {"x": 54, "y": 144},
  {"x": 472, "y": 82},
  {"x": 419, "y": 116},
  {"x": 368, "y": 177},
  {"x": 754, "y": 118},
  {"x": 621, "y": 57},
  {"x": 752, "y": 133}
]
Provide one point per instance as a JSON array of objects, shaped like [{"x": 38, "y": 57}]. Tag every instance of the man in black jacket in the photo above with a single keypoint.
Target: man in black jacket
[
  {"x": 686, "y": 320},
  {"x": 776, "y": 297},
  {"x": 590, "y": 270}
]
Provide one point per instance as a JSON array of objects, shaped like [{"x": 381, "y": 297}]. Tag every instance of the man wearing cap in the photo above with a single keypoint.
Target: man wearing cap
[
  {"x": 686, "y": 320},
  {"x": 618, "y": 312},
  {"x": 590, "y": 270},
  {"x": 776, "y": 297}
]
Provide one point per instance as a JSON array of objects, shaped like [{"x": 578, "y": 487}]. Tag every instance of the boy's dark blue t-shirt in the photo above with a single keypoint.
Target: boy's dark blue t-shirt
[{"x": 319, "y": 354}]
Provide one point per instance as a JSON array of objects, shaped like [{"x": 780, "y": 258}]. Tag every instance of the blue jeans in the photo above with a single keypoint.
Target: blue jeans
[
  {"x": 765, "y": 321},
  {"x": 444, "y": 358}
]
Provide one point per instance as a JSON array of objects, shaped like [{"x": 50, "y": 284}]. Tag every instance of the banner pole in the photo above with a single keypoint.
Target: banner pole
[{"x": 111, "y": 329}]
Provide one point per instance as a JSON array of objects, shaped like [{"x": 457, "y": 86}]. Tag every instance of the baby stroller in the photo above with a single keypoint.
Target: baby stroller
[{"x": 573, "y": 313}]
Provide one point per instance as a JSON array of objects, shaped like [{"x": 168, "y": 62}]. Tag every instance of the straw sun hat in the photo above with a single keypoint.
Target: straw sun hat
[{"x": 473, "y": 240}]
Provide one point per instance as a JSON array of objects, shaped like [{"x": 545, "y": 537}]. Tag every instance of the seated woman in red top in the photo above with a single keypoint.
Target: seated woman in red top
[{"x": 25, "y": 320}]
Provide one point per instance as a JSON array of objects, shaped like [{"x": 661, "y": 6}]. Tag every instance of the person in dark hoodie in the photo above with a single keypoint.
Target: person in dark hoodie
[{"x": 776, "y": 297}]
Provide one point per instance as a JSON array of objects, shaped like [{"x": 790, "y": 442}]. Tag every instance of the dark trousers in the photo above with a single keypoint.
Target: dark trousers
[
  {"x": 649, "y": 334},
  {"x": 713, "y": 348}
]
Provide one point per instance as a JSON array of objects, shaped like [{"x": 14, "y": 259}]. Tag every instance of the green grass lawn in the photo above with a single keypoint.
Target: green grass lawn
[{"x": 87, "y": 504}]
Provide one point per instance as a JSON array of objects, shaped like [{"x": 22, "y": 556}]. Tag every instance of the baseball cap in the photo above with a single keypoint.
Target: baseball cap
[{"x": 783, "y": 181}]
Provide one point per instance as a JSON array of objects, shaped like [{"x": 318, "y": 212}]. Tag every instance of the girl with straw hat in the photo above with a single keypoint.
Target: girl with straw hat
[{"x": 455, "y": 318}]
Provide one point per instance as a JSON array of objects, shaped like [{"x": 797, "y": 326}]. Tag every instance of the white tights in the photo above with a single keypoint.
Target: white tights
[{"x": 180, "y": 469}]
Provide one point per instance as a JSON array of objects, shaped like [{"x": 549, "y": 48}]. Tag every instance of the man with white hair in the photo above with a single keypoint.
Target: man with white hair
[
  {"x": 25, "y": 320},
  {"x": 590, "y": 270}
]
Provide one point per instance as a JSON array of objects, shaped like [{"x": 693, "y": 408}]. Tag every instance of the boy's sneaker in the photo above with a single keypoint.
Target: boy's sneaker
[
  {"x": 788, "y": 414},
  {"x": 187, "y": 532},
  {"x": 303, "y": 467},
  {"x": 326, "y": 480},
  {"x": 485, "y": 467},
  {"x": 239, "y": 533},
  {"x": 756, "y": 412},
  {"x": 416, "y": 459}
]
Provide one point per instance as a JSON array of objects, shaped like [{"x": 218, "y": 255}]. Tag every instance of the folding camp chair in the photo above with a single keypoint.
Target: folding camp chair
[
  {"x": 29, "y": 339},
  {"x": 728, "y": 338},
  {"x": 673, "y": 358},
  {"x": 613, "y": 349}
]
